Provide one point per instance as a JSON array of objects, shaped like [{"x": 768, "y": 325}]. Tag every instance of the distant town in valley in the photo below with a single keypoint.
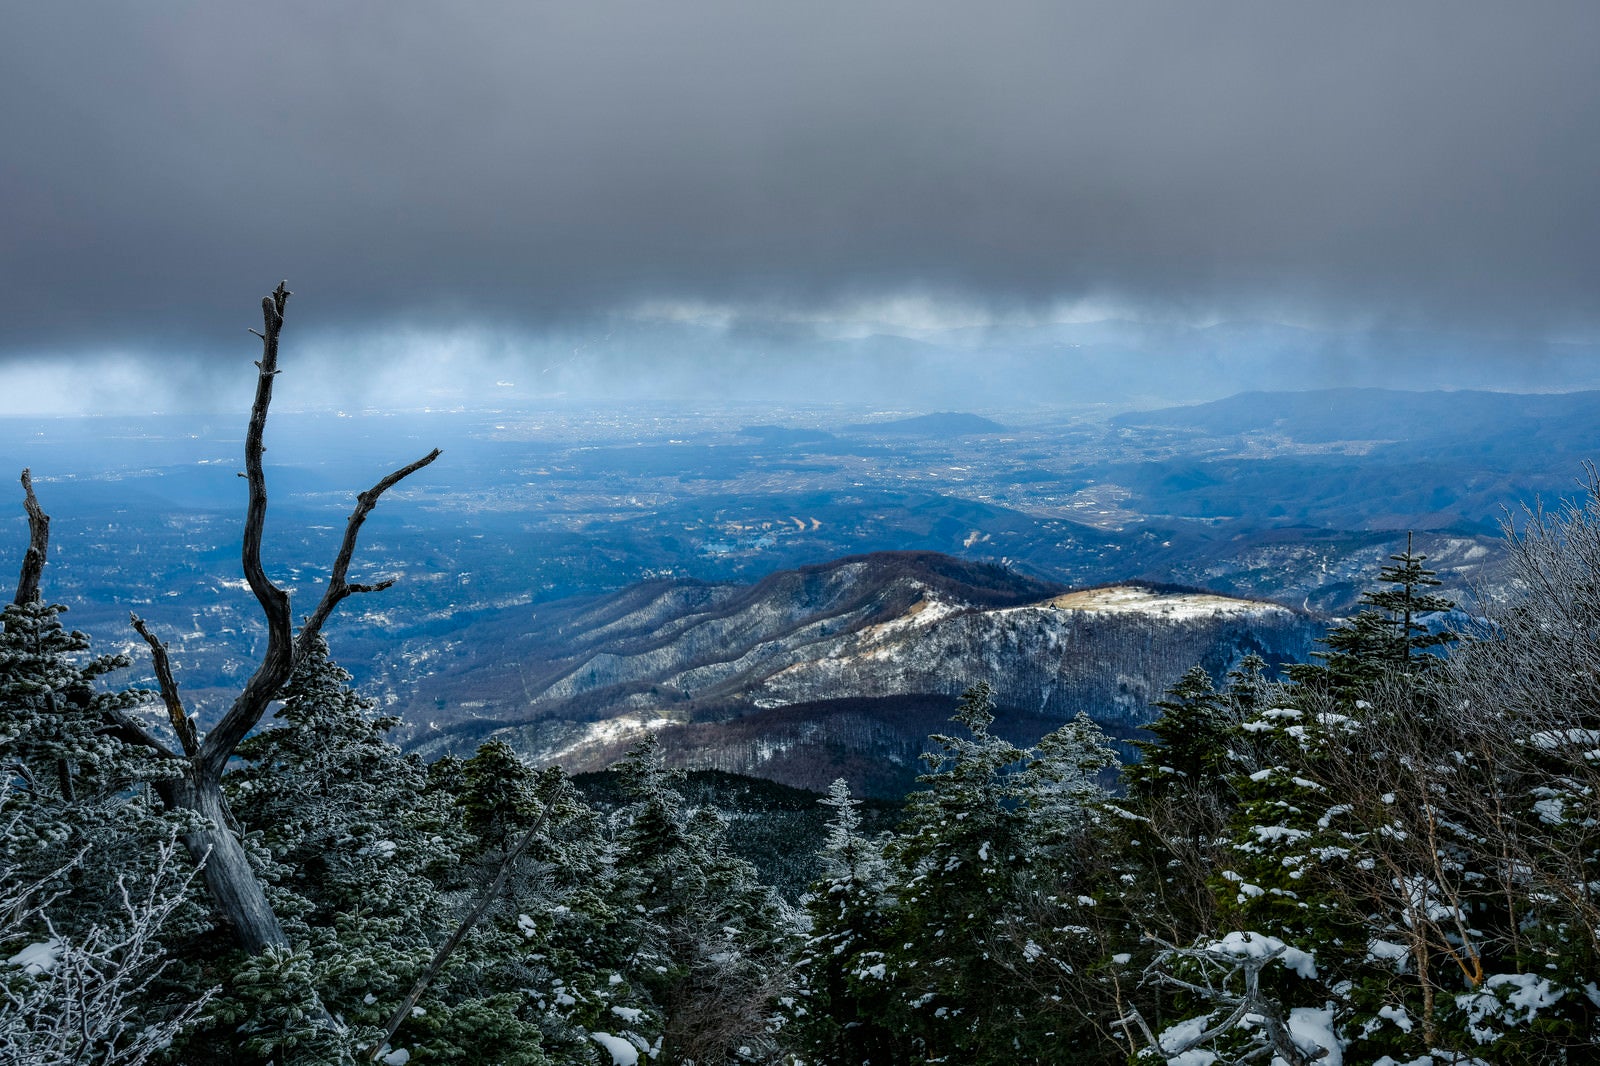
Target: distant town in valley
[{"x": 1293, "y": 497}]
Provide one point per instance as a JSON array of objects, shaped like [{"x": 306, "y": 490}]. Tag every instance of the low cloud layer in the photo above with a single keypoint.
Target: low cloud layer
[{"x": 521, "y": 168}]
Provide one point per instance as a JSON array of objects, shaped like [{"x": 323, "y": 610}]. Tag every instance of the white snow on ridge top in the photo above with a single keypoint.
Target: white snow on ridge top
[
  {"x": 1133, "y": 599},
  {"x": 623, "y": 728},
  {"x": 924, "y": 612}
]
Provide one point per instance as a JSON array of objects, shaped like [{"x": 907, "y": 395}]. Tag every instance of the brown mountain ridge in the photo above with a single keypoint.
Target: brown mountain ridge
[{"x": 836, "y": 669}]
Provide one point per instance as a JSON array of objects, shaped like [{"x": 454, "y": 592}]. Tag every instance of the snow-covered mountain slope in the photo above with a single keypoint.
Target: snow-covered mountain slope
[{"x": 584, "y": 681}]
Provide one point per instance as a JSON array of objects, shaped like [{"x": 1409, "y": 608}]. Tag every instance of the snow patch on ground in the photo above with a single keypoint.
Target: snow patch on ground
[
  {"x": 925, "y": 612},
  {"x": 608, "y": 732},
  {"x": 1387, "y": 951},
  {"x": 1565, "y": 738},
  {"x": 1193, "y": 1057},
  {"x": 623, "y": 1053},
  {"x": 1398, "y": 1016},
  {"x": 38, "y": 958},
  {"x": 1311, "y": 1029},
  {"x": 1184, "y": 1033},
  {"x": 1512, "y": 999}
]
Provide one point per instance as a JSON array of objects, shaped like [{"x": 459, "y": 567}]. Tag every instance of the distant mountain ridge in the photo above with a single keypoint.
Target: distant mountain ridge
[
  {"x": 1356, "y": 458},
  {"x": 945, "y": 423},
  {"x": 838, "y": 668},
  {"x": 1321, "y": 415}
]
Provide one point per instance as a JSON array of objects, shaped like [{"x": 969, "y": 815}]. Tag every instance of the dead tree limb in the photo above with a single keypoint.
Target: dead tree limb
[
  {"x": 182, "y": 725},
  {"x": 338, "y": 588},
  {"x": 282, "y": 648},
  {"x": 440, "y": 957},
  {"x": 278, "y": 661},
  {"x": 38, "y": 545},
  {"x": 130, "y": 730},
  {"x": 240, "y": 900}
]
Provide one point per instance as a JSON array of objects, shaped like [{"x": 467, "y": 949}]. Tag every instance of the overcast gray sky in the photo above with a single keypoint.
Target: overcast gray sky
[{"x": 497, "y": 173}]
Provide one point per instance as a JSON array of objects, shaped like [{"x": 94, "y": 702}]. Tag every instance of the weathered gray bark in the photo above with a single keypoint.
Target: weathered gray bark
[
  {"x": 238, "y": 895},
  {"x": 234, "y": 887},
  {"x": 38, "y": 545}
]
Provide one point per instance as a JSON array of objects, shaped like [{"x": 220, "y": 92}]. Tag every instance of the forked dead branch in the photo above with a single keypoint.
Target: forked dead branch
[{"x": 237, "y": 894}]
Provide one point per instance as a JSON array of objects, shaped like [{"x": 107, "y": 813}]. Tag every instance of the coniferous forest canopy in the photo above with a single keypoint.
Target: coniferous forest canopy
[{"x": 854, "y": 533}]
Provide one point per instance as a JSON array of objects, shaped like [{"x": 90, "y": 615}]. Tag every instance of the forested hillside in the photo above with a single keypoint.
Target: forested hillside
[
  {"x": 1390, "y": 857},
  {"x": 836, "y": 669}
]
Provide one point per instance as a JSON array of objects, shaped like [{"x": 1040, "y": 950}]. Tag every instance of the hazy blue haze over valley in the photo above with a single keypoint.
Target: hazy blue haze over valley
[{"x": 1286, "y": 497}]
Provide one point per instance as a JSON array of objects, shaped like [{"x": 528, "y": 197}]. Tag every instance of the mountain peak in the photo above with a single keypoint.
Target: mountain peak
[
  {"x": 940, "y": 424},
  {"x": 844, "y": 666},
  {"x": 965, "y": 581}
]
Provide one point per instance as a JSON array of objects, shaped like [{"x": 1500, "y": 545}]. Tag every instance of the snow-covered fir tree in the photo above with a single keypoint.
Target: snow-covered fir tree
[
  {"x": 710, "y": 943},
  {"x": 91, "y": 891},
  {"x": 962, "y": 948}
]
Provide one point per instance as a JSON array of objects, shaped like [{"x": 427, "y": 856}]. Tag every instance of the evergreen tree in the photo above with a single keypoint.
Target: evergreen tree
[
  {"x": 562, "y": 932},
  {"x": 841, "y": 1011},
  {"x": 88, "y": 883},
  {"x": 1343, "y": 846},
  {"x": 1388, "y": 637},
  {"x": 499, "y": 795},
  {"x": 966, "y": 951},
  {"x": 1189, "y": 754},
  {"x": 1406, "y": 601},
  {"x": 711, "y": 942},
  {"x": 1170, "y": 832},
  {"x": 72, "y": 783}
]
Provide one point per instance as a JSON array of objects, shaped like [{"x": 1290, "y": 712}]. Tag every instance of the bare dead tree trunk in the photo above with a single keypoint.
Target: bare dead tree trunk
[
  {"x": 38, "y": 545},
  {"x": 236, "y": 893},
  {"x": 235, "y": 890},
  {"x": 234, "y": 887}
]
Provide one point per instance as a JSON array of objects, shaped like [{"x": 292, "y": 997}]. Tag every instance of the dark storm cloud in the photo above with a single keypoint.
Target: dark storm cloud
[{"x": 409, "y": 163}]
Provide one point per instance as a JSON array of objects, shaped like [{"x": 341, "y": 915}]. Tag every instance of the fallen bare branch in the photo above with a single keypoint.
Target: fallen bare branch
[{"x": 487, "y": 900}]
